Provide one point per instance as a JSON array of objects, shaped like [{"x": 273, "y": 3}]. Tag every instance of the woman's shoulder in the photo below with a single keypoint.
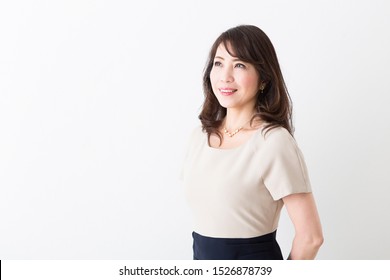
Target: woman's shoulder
[
  {"x": 277, "y": 137},
  {"x": 277, "y": 134},
  {"x": 197, "y": 131},
  {"x": 196, "y": 134}
]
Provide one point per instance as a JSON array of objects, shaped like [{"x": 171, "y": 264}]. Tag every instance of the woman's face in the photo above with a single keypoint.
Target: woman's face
[{"x": 235, "y": 83}]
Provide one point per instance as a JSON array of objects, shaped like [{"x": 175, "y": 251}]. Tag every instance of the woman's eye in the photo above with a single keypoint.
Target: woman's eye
[
  {"x": 217, "y": 63},
  {"x": 240, "y": 65}
]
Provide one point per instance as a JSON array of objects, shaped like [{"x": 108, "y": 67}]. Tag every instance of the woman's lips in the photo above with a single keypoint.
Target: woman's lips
[{"x": 227, "y": 91}]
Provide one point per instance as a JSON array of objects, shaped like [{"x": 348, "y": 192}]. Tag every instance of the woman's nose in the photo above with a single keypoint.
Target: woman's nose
[{"x": 227, "y": 75}]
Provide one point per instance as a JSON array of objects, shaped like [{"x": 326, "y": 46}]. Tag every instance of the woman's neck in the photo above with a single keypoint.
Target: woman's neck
[{"x": 237, "y": 119}]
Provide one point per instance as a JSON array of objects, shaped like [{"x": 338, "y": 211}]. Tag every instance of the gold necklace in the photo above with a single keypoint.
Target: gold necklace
[{"x": 231, "y": 134}]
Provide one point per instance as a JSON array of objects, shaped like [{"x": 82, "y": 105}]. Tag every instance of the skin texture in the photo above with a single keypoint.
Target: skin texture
[
  {"x": 303, "y": 213},
  {"x": 232, "y": 74}
]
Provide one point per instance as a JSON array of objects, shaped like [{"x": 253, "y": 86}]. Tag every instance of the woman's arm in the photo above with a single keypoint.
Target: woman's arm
[{"x": 308, "y": 238}]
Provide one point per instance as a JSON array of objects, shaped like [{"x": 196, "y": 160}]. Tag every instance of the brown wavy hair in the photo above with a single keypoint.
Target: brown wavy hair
[{"x": 273, "y": 105}]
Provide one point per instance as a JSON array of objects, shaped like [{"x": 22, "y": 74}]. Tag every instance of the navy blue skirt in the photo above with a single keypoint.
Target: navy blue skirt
[{"x": 263, "y": 247}]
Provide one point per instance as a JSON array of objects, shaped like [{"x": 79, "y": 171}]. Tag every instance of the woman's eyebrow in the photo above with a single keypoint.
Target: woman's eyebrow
[{"x": 234, "y": 59}]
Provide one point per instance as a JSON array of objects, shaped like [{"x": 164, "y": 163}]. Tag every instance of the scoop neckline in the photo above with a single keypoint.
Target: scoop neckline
[{"x": 239, "y": 146}]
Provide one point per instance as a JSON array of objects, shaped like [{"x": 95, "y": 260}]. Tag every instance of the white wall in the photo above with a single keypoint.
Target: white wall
[{"x": 97, "y": 99}]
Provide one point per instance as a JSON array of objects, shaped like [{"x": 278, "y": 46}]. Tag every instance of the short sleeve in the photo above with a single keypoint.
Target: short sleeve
[{"x": 283, "y": 165}]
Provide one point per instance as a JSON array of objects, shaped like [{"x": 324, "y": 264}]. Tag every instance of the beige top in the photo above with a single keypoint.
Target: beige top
[{"x": 236, "y": 193}]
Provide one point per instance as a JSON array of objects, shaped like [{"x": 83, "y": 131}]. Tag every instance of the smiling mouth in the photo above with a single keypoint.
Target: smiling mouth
[{"x": 227, "y": 91}]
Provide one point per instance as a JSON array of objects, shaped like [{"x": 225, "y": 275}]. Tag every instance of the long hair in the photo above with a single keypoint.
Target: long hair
[{"x": 273, "y": 105}]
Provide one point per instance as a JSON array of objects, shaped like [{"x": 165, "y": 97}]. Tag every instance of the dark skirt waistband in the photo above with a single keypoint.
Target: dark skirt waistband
[{"x": 264, "y": 247}]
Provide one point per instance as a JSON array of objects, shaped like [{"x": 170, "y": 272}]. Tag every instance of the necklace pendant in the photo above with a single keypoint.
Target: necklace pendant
[{"x": 230, "y": 134}]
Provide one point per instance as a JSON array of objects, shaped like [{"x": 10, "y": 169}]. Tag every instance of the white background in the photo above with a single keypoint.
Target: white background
[{"x": 97, "y": 100}]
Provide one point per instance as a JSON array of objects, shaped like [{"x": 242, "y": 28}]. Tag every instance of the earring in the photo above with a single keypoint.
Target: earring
[{"x": 262, "y": 88}]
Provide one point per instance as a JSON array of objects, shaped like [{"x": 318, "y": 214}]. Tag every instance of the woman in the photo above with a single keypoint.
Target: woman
[{"x": 243, "y": 164}]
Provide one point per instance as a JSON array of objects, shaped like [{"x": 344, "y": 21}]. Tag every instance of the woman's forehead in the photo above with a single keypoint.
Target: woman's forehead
[{"x": 225, "y": 49}]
